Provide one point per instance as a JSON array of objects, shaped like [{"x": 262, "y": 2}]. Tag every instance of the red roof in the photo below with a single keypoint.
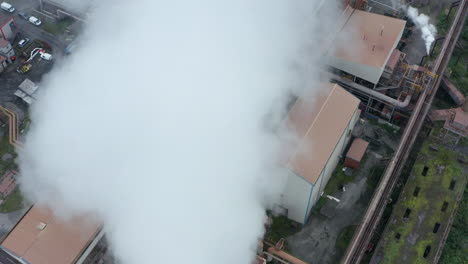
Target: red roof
[
  {"x": 461, "y": 119},
  {"x": 357, "y": 149}
]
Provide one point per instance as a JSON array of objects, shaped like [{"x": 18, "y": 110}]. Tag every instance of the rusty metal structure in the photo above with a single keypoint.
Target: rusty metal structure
[
  {"x": 379, "y": 201},
  {"x": 275, "y": 252},
  {"x": 12, "y": 126}
]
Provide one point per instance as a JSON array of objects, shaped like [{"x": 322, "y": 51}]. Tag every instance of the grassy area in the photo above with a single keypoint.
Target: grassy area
[
  {"x": 456, "y": 247},
  {"x": 374, "y": 177},
  {"x": 443, "y": 26},
  {"x": 57, "y": 28},
  {"x": 436, "y": 128},
  {"x": 13, "y": 202},
  {"x": 345, "y": 237},
  {"x": 281, "y": 227},
  {"x": 6, "y": 147},
  {"x": 320, "y": 203},
  {"x": 338, "y": 178},
  {"x": 458, "y": 65},
  {"x": 463, "y": 141},
  {"x": 25, "y": 124},
  {"x": 425, "y": 207}
]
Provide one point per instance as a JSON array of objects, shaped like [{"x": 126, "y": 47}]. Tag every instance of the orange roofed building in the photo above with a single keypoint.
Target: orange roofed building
[
  {"x": 41, "y": 238},
  {"x": 365, "y": 43},
  {"x": 323, "y": 121}
]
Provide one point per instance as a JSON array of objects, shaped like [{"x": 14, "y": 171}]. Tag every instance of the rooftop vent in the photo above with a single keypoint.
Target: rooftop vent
[{"x": 41, "y": 226}]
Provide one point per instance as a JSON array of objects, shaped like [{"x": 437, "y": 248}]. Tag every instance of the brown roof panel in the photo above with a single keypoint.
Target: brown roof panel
[
  {"x": 376, "y": 35},
  {"x": 42, "y": 238},
  {"x": 357, "y": 149},
  {"x": 319, "y": 121}
]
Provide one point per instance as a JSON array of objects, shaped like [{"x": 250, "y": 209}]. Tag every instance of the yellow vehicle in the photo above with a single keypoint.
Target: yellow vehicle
[{"x": 24, "y": 68}]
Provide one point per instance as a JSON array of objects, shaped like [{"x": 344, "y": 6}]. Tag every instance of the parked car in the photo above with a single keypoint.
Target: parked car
[
  {"x": 24, "y": 68},
  {"x": 23, "y": 42},
  {"x": 35, "y": 21},
  {"x": 23, "y": 15},
  {"x": 7, "y": 7}
]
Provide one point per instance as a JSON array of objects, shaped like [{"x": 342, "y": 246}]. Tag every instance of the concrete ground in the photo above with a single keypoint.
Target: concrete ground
[
  {"x": 9, "y": 78},
  {"x": 9, "y": 220},
  {"x": 316, "y": 242}
]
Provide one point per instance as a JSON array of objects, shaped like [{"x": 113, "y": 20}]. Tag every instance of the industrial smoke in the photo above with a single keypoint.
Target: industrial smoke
[
  {"x": 428, "y": 31},
  {"x": 155, "y": 123}
]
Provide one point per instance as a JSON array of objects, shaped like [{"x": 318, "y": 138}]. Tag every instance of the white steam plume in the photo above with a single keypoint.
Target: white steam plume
[
  {"x": 154, "y": 124},
  {"x": 428, "y": 31}
]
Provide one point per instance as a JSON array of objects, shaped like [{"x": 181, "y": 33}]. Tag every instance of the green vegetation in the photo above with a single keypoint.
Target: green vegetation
[
  {"x": 25, "y": 124},
  {"x": 338, "y": 178},
  {"x": 456, "y": 247},
  {"x": 345, "y": 237},
  {"x": 436, "y": 129},
  {"x": 374, "y": 177},
  {"x": 281, "y": 227},
  {"x": 458, "y": 65},
  {"x": 57, "y": 28},
  {"x": 320, "y": 203},
  {"x": 463, "y": 142},
  {"x": 13, "y": 202},
  {"x": 6, "y": 147},
  {"x": 425, "y": 206},
  {"x": 443, "y": 26}
]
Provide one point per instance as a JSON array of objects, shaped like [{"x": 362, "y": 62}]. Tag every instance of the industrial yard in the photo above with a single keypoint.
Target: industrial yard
[{"x": 372, "y": 168}]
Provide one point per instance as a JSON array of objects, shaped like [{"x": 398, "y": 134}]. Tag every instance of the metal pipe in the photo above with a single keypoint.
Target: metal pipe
[
  {"x": 373, "y": 93},
  {"x": 387, "y": 87},
  {"x": 285, "y": 256}
]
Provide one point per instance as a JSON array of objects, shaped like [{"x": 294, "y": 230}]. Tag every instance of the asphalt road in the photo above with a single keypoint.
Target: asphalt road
[
  {"x": 9, "y": 78},
  {"x": 29, "y": 30}
]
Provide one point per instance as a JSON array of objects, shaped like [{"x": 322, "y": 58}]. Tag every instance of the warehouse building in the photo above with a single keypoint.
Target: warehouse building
[
  {"x": 27, "y": 90},
  {"x": 323, "y": 122},
  {"x": 41, "y": 238},
  {"x": 374, "y": 37},
  {"x": 8, "y": 29}
]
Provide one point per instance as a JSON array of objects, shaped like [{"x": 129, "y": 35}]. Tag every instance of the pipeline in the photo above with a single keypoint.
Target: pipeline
[
  {"x": 12, "y": 132},
  {"x": 373, "y": 93}
]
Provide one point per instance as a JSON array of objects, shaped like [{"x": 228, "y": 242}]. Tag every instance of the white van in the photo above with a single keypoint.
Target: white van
[
  {"x": 34, "y": 20},
  {"x": 7, "y": 7}
]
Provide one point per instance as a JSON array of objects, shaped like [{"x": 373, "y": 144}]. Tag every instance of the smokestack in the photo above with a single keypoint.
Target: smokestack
[{"x": 428, "y": 30}]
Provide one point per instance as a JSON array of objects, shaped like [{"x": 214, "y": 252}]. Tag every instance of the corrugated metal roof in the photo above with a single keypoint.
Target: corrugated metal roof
[
  {"x": 374, "y": 37},
  {"x": 319, "y": 120},
  {"x": 364, "y": 44},
  {"x": 357, "y": 150},
  {"x": 57, "y": 242}
]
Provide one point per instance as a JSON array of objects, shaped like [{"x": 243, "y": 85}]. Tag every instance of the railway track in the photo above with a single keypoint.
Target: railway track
[{"x": 379, "y": 201}]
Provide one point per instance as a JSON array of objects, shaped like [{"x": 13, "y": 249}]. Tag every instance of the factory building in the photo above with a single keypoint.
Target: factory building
[
  {"x": 8, "y": 29},
  {"x": 323, "y": 122},
  {"x": 41, "y": 238},
  {"x": 374, "y": 37}
]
